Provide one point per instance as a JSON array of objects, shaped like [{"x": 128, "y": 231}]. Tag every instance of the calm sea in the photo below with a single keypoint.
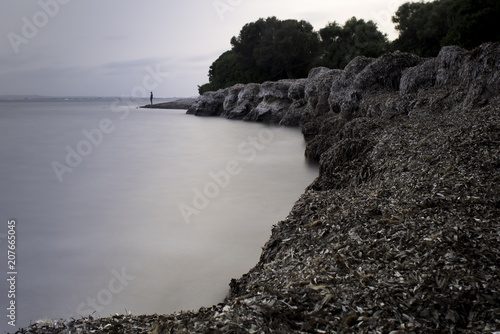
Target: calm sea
[{"x": 119, "y": 209}]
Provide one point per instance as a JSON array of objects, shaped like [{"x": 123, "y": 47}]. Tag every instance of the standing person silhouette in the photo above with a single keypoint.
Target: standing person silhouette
[{"x": 151, "y": 98}]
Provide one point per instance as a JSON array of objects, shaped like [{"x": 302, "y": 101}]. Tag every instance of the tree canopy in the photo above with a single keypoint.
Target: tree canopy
[
  {"x": 273, "y": 49},
  {"x": 425, "y": 27},
  {"x": 268, "y": 49},
  {"x": 421, "y": 27},
  {"x": 473, "y": 22},
  {"x": 356, "y": 38}
]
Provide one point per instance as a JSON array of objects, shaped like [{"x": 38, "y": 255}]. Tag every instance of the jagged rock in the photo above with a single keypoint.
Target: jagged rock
[
  {"x": 274, "y": 102},
  {"x": 455, "y": 77},
  {"x": 449, "y": 62},
  {"x": 366, "y": 87},
  {"x": 247, "y": 99},
  {"x": 477, "y": 73},
  {"x": 209, "y": 104},
  {"x": 385, "y": 72},
  {"x": 340, "y": 87},
  {"x": 317, "y": 90},
  {"x": 231, "y": 100},
  {"x": 379, "y": 75},
  {"x": 295, "y": 113},
  {"x": 483, "y": 74},
  {"x": 416, "y": 78},
  {"x": 318, "y": 134}
]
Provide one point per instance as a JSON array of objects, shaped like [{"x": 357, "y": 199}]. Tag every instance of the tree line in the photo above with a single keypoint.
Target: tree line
[{"x": 273, "y": 49}]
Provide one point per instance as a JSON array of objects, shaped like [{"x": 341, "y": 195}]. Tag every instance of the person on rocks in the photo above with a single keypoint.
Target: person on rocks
[{"x": 151, "y": 98}]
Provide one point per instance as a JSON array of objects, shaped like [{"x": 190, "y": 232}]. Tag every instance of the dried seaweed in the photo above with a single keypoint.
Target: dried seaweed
[
  {"x": 412, "y": 248},
  {"x": 398, "y": 234}
]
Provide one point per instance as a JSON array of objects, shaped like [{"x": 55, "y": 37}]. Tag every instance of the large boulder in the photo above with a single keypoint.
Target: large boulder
[
  {"x": 231, "y": 99},
  {"x": 295, "y": 114},
  {"x": 365, "y": 77},
  {"x": 456, "y": 76},
  {"x": 367, "y": 87},
  {"x": 340, "y": 89},
  {"x": 274, "y": 102},
  {"x": 394, "y": 84},
  {"x": 245, "y": 97},
  {"x": 317, "y": 90},
  {"x": 209, "y": 104}
]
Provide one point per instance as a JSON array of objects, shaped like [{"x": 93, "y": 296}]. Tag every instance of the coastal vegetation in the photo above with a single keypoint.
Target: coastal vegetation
[
  {"x": 273, "y": 49},
  {"x": 426, "y": 27}
]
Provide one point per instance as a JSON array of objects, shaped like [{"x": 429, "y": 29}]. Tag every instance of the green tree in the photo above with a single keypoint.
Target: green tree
[
  {"x": 422, "y": 27},
  {"x": 277, "y": 49},
  {"x": 288, "y": 50},
  {"x": 356, "y": 38},
  {"x": 268, "y": 49},
  {"x": 473, "y": 22},
  {"x": 249, "y": 38},
  {"x": 224, "y": 72}
]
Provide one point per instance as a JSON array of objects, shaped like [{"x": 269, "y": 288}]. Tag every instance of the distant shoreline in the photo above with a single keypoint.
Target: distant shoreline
[{"x": 184, "y": 103}]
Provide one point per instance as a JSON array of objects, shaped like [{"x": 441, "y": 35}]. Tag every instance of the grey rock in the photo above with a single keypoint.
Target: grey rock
[
  {"x": 392, "y": 85},
  {"x": 209, "y": 104},
  {"x": 295, "y": 113},
  {"x": 274, "y": 102},
  {"x": 231, "y": 100}
]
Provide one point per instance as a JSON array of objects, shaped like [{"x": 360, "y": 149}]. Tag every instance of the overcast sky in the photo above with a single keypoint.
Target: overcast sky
[{"x": 125, "y": 47}]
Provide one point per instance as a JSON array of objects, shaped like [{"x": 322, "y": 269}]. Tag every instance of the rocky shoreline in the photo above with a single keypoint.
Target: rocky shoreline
[{"x": 398, "y": 234}]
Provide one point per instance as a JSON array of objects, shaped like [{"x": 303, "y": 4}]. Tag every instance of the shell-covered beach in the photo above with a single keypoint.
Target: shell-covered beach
[{"x": 399, "y": 232}]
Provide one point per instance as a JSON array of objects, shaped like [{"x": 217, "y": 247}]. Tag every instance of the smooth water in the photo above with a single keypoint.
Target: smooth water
[{"x": 121, "y": 209}]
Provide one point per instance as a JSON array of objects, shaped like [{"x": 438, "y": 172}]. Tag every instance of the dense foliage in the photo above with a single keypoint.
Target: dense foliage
[
  {"x": 276, "y": 49},
  {"x": 268, "y": 49},
  {"x": 356, "y": 38},
  {"x": 272, "y": 49},
  {"x": 224, "y": 72},
  {"x": 473, "y": 22},
  {"x": 425, "y": 27},
  {"x": 421, "y": 27}
]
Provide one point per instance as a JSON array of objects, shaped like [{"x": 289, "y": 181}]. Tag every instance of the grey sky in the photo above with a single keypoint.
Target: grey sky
[{"x": 124, "y": 47}]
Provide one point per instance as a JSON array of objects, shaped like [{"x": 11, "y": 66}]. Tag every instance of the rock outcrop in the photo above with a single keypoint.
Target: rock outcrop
[
  {"x": 399, "y": 233},
  {"x": 267, "y": 102},
  {"x": 183, "y": 103},
  {"x": 392, "y": 85},
  {"x": 209, "y": 104},
  {"x": 383, "y": 87}
]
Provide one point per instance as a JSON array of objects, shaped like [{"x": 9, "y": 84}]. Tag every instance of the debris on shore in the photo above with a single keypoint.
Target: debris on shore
[{"x": 400, "y": 231}]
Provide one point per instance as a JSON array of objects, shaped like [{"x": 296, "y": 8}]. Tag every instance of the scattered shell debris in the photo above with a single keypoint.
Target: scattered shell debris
[
  {"x": 412, "y": 248},
  {"x": 400, "y": 233}
]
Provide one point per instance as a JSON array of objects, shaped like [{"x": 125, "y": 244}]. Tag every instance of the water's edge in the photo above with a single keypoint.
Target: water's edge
[{"x": 400, "y": 218}]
